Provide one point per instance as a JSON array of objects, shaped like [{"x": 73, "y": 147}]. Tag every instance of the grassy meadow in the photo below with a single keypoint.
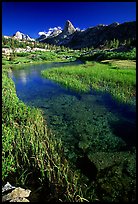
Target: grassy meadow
[
  {"x": 36, "y": 57},
  {"x": 114, "y": 77},
  {"x": 31, "y": 154}
]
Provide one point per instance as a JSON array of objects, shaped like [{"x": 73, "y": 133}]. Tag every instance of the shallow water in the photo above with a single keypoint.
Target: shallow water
[{"x": 87, "y": 123}]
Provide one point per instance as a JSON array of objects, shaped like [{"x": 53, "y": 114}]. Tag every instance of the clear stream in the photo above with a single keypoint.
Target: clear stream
[{"x": 91, "y": 123}]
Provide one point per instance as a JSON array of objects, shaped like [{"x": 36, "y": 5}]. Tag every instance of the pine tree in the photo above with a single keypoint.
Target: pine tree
[
  {"x": 13, "y": 47},
  {"x": 111, "y": 44},
  {"x": 114, "y": 43},
  {"x": 62, "y": 48},
  {"x": 117, "y": 43},
  {"x": 128, "y": 42},
  {"x": 125, "y": 42},
  {"x": 86, "y": 49}
]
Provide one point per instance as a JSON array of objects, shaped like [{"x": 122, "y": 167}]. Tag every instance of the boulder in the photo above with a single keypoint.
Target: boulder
[{"x": 14, "y": 194}]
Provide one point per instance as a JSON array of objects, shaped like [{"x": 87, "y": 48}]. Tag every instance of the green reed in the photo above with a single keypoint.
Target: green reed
[
  {"x": 121, "y": 83},
  {"x": 30, "y": 148}
]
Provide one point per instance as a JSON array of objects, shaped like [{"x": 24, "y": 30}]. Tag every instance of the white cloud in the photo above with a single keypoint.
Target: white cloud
[
  {"x": 50, "y": 30},
  {"x": 78, "y": 29},
  {"x": 42, "y": 33}
]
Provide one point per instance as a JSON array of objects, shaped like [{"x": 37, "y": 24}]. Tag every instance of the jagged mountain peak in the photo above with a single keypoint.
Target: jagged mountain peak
[
  {"x": 21, "y": 36},
  {"x": 18, "y": 35},
  {"x": 69, "y": 28}
]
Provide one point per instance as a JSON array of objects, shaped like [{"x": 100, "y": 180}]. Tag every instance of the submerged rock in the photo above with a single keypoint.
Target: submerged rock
[
  {"x": 87, "y": 167},
  {"x": 116, "y": 176}
]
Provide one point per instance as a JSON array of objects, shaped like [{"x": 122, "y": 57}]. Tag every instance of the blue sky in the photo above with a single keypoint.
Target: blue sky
[{"x": 33, "y": 17}]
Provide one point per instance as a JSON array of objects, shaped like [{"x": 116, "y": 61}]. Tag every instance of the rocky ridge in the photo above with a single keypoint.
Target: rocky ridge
[{"x": 93, "y": 36}]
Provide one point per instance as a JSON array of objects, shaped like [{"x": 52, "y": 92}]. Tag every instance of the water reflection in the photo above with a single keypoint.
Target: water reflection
[
  {"x": 23, "y": 76},
  {"x": 10, "y": 74}
]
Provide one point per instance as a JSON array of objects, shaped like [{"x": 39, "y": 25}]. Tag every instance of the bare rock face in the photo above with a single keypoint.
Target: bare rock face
[
  {"x": 55, "y": 32},
  {"x": 13, "y": 194},
  {"x": 18, "y": 35},
  {"x": 69, "y": 28},
  {"x": 21, "y": 36}
]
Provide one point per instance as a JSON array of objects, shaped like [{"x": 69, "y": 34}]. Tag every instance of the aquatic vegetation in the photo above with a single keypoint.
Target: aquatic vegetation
[
  {"x": 84, "y": 126},
  {"x": 121, "y": 83},
  {"x": 30, "y": 149},
  {"x": 81, "y": 124},
  {"x": 114, "y": 174},
  {"x": 47, "y": 147}
]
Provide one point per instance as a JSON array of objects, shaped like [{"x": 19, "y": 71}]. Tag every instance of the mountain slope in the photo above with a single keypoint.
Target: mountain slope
[{"x": 93, "y": 36}]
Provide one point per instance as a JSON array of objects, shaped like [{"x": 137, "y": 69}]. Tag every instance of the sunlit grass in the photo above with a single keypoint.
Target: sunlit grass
[
  {"x": 121, "y": 63},
  {"x": 37, "y": 57},
  {"x": 121, "y": 83},
  {"x": 29, "y": 148}
]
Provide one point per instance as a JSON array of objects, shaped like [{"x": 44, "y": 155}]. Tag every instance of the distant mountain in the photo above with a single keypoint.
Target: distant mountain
[
  {"x": 92, "y": 36},
  {"x": 21, "y": 36},
  {"x": 53, "y": 32},
  {"x": 57, "y": 31},
  {"x": 61, "y": 34}
]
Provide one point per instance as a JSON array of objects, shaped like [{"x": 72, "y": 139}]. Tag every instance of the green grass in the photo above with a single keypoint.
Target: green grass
[
  {"x": 37, "y": 57},
  {"x": 123, "y": 64},
  {"x": 104, "y": 55},
  {"x": 30, "y": 152},
  {"x": 121, "y": 83}
]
